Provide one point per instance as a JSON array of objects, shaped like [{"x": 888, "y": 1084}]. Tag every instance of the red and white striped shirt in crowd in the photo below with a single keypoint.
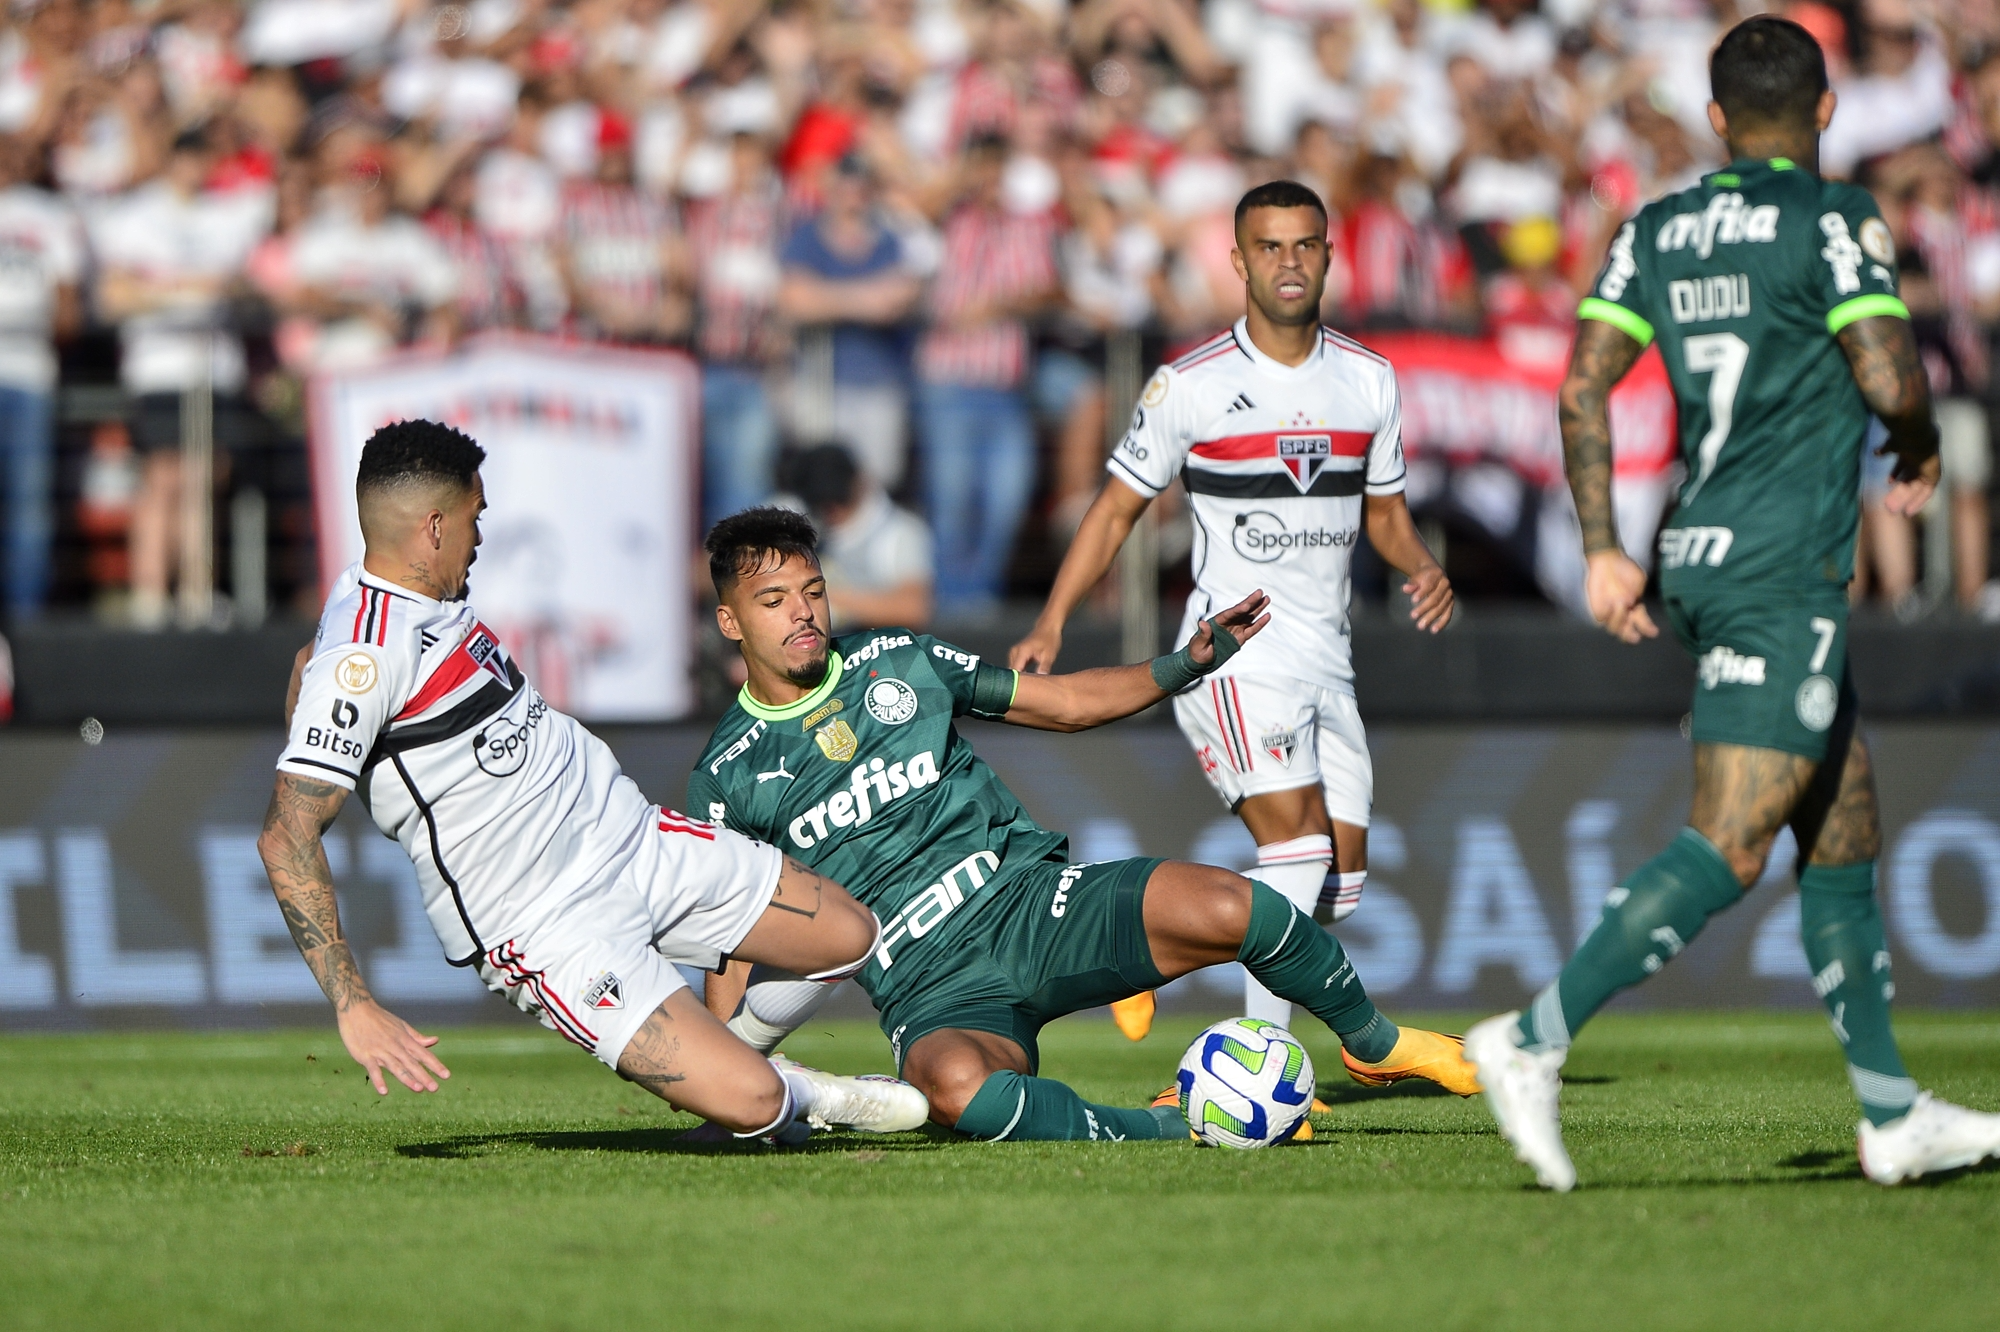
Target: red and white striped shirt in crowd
[
  {"x": 734, "y": 240},
  {"x": 616, "y": 239},
  {"x": 990, "y": 256},
  {"x": 487, "y": 294},
  {"x": 988, "y": 97}
]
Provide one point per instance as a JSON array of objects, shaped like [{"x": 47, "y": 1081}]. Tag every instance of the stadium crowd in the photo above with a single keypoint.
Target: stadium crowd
[{"x": 899, "y": 236}]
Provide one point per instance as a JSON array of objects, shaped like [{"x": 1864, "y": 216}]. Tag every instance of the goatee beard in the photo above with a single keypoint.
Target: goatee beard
[{"x": 811, "y": 674}]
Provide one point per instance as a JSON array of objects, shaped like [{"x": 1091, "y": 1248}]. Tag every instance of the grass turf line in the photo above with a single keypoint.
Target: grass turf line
[{"x": 220, "y": 1182}]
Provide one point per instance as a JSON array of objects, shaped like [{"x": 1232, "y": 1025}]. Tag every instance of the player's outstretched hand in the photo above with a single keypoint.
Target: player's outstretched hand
[
  {"x": 1242, "y": 622},
  {"x": 1613, "y": 584},
  {"x": 1431, "y": 600},
  {"x": 1036, "y": 654},
  {"x": 1910, "y": 488},
  {"x": 381, "y": 1042}
]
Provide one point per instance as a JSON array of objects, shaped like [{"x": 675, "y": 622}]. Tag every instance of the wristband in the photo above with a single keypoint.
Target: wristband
[{"x": 1177, "y": 670}]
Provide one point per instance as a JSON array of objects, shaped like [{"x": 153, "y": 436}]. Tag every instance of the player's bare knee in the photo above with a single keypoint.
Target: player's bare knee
[
  {"x": 755, "y": 1101},
  {"x": 1223, "y": 906}
]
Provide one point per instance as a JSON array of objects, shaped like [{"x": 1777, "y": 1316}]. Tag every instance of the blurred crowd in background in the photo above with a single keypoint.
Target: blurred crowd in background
[{"x": 904, "y": 239}]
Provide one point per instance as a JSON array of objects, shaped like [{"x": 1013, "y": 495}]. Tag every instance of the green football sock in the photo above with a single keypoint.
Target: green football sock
[
  {"x": 1014, "y": 1107},
  {"x": 1657, "y": 912},
  {"x": 1296, "y": 959},
  {"x": 1842, "y": 931}
]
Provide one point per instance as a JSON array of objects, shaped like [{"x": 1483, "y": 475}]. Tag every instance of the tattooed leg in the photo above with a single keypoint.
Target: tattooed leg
[
  {"x": 811, "y": 926},
  {"x": 1843, "y": 827},
  {"x": 1742, "y": 796},
  {"x": 685, "y": 1057}
]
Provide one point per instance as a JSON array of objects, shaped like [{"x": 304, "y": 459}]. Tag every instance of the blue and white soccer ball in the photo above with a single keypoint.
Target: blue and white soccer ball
[{"x": 1245, "y": 1083}]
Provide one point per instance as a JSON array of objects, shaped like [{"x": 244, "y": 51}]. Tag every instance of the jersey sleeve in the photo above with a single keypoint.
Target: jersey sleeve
[
  {"x": 706, "y": 798},
  {"x": 978, "y": 689},
  {"x": 1385, "y": 469},
  {"x": 1153, "y": 450},
  {"x": 347, "y": 695},
  {"x": 1619, "y": 297},
  {"x": 1853, "y": 273}
]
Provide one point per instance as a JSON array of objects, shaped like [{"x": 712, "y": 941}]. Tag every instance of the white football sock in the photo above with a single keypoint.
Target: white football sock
[
  {"x": 1295, "y": 869},
  {"x": 776, "y": 1004},
  {"x": 1343, "y": 892}
]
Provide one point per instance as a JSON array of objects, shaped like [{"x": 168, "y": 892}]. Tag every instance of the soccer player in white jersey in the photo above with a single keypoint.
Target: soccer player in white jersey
[
  {"x": 541, "y": 864},
  {"x": 1288, "y": 437}
]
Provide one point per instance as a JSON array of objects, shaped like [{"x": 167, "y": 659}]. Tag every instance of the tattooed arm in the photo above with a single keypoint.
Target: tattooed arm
[
  {"x": 295, "y": 859},
  {"x": 1613, "y": 583},
  {"x": 1882, "y": 352}
]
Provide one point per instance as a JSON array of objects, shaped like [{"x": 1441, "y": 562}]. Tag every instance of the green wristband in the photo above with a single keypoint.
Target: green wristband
[{"x": 1177, "y": 670}]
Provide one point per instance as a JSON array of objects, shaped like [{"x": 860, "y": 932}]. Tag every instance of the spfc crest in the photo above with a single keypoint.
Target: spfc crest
[
  {"x": 604, "y": 992},
  {"x": 836, "y": 740},
  {"x": 1281, "y": 745},
  {"x": 1305, "y": 457}
]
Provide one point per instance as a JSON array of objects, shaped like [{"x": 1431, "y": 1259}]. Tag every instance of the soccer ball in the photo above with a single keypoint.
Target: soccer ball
[{"x": 1245, "y": 1083}]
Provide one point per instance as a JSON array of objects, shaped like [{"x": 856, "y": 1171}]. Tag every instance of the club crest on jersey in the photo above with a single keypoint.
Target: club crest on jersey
[
  {"x": 836, "y": 740},
  {"x": 607, "y": 991},
  {"x": 1280, "y": 745},
  {"x": 484, "y": 648},
  {"x": 1305, "y": 457},
  {"x": 890, "y": 701}
]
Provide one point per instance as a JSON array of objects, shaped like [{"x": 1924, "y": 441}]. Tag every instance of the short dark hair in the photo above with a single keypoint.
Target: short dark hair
[
  {"x": 1767, "y": 71},
  {"x": 422, "y": 452},
  {"x": 1279, "y": 194},
  {"x": 741, "y": 543}
]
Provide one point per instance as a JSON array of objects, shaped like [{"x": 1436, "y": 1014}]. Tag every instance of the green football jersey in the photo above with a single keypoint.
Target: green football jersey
[
  {"x": 1745, "y": 279},
  {"x": 867, "y": 780}
]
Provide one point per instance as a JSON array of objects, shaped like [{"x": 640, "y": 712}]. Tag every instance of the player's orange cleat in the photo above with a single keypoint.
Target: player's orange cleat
[
  {"x": 1321, "y": 1107},
  {"x": 1134, "y": 1016},
  {"x": 1169, "y": 1095},
  {"x": 1419, "y": 1054}
]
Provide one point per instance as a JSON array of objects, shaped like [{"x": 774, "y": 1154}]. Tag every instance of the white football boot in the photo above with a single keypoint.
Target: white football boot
[
  {"x": 1936, "y": 1135},
  {"x": 1522, "y": 1089},
  {"x": 871, "y": 1103}
]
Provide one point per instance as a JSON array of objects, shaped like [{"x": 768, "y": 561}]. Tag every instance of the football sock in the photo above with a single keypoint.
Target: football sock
[
  {"x": 1299, "y": 961},
  {"x": 1297, "y": 869},
  {"x": 1842, "y": 930},
  {"x": 1342, "y": 893},
  {"x": 1013, "y": 1107},
  {"x": 775, "y": 1004},
  {"x": 1656, "y": 913}
]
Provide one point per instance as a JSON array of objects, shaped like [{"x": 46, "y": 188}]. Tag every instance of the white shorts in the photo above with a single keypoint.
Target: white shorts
[
  {"x": 595, "y": 970},
  {"x": 1255, "y": 734}
]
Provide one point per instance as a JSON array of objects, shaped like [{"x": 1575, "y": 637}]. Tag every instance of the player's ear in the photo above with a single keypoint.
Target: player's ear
[
  {"x": 1236, "y": 262},
  {"x": 725, "y": 620},
  {"x": 1823, "y": 113},
  {"x": 1720, "y": 123}
]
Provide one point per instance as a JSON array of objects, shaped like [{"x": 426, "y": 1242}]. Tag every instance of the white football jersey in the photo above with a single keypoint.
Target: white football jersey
[
  {"x": 505, "y": 805},
  {"x": 1275, "y": 459}
]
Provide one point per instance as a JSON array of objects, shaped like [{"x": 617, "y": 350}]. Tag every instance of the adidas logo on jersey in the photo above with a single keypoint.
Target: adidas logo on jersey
[
  {"x": 885, "y": 783},
  {"x": 1241, "y": 403}
]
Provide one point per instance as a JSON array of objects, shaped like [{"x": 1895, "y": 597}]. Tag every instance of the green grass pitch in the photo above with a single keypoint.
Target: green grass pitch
[{"x": 251, "y": 1181}]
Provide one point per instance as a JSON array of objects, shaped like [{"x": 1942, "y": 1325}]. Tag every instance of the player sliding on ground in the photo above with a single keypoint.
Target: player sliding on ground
[
  {"x": 1289, "y": 440},
  {"x": 1773, "y": 296},
  {"x": 541, "y": 865},
  {"x": 845, "y": 753}
]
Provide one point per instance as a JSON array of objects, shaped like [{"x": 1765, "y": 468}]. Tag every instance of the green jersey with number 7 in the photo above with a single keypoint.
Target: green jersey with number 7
[{"x": 1744, "y": 280}]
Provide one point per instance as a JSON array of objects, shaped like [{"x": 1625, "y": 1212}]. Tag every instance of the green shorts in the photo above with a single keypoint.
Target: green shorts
[
  {"x": 1060, "y": 938},
  {"x": 1770, "y": 670}
]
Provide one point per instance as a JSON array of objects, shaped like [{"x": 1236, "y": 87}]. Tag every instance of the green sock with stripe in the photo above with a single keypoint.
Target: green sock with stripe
[
  {"x": 1841, "y": 928},
  {"x": 1296, "y": 959},
  {"x": 1657, "y": 912},
  {"x": 1013, "y": 1107}
]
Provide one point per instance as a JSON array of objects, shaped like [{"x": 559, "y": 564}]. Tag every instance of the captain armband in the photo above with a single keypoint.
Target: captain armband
[{"x": 993, "y": 689}]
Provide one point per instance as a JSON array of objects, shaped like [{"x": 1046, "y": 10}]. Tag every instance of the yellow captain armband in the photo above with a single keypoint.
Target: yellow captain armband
[
  {"x": 1864, "y": 307},
  {"x": 1620, "y": 318}
]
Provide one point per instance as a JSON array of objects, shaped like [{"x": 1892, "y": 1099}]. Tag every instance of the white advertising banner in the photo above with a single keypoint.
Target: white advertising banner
[{"x": 591, "y": 492}]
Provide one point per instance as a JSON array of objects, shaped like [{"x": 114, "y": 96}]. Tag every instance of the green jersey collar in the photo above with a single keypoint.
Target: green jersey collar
[{"x": 818, "y": 696}]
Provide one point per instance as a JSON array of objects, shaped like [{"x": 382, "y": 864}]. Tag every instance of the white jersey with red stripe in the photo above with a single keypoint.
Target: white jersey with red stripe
[
  {"x": 506, "y": 806},
  {"x": 1276, "y": 459}
]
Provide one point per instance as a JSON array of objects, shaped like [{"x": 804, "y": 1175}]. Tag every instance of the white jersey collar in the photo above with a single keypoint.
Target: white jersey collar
[{"x": 1310, "y": 366}]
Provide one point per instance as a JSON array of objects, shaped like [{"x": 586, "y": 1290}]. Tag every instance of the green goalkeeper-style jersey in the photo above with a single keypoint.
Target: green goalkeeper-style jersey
[
  {"x": 867, "y": 780},
  {"x": 1744, "y": 280}
]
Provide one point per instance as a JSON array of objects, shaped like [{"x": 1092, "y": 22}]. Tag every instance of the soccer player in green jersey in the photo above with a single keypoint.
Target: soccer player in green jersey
[
  {"x": 1772, "y": 294},
  {"x": 844, "y": 753}
]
